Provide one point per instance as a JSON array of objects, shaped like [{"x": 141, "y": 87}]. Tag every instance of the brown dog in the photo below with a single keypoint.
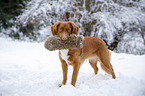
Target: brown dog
[{"x": 93, "y": 49}]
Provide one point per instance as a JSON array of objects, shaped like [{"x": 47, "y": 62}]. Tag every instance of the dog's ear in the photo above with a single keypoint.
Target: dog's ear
[
  {"x": 54, "y": 28},
  {"x": 75, "y": 28}
]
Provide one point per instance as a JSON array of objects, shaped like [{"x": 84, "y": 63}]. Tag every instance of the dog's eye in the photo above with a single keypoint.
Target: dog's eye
[
  {"x": 68, "y": 30},
  {"x": 60, "y": 29}
]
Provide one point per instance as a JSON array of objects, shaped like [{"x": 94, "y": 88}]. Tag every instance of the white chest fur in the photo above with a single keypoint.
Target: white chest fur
[{"x": 64, "y": 55}]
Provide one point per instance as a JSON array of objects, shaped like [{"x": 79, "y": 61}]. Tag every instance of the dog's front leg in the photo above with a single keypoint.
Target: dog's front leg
[
  {"x": 76, "y": 68},
  {"x": 64, "y": 70}
]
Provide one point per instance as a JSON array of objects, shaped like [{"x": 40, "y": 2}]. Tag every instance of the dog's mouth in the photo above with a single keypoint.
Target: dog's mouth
[{"x": 64, "y": 37}]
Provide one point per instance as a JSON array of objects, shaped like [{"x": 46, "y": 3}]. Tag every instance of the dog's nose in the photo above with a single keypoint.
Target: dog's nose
[{"x": 64, "y": 37}]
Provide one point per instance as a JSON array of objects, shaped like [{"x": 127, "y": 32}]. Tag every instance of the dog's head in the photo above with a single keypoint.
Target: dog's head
[{"x": 64, "y": 29}]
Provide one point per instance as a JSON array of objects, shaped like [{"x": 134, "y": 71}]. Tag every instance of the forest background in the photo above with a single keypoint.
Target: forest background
[{"x": 120, "y": 23}]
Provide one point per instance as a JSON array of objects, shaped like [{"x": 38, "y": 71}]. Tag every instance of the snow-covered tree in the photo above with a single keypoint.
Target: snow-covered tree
[{"x": 120, "y": 23}]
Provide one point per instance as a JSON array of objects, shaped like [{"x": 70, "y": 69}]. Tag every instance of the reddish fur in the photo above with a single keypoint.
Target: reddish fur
[{"x": 94, "y": 49}]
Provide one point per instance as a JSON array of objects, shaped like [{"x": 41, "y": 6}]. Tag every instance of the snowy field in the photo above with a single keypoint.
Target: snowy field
[{"x": 27, "y": 69}]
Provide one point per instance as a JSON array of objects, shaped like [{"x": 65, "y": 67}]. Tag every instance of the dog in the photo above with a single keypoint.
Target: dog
[{"x": 93, "y": 49}]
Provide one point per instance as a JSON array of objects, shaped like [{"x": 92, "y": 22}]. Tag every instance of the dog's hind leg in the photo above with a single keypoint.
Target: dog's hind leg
[
  {"x": 105, "y": 63},
  {"x": 108, "y": 69},
  {"x": 93, "y": 63}
]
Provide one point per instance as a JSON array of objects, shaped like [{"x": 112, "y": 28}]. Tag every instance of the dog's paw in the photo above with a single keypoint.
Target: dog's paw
[{"x": 59, "y": 85}]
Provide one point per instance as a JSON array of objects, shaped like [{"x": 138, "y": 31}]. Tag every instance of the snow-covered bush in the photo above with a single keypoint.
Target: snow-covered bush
[
  {"x": 115, "y": 21},
  {"x": 40, "y": 15},
  {"x": 131, "y": 43}
]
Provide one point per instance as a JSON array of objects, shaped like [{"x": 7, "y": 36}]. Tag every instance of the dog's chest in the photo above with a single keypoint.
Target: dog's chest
[{"x": 64, "y": 55}]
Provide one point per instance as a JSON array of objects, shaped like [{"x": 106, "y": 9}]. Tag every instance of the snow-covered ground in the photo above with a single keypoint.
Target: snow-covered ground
[{"x": 28, "y": 69}]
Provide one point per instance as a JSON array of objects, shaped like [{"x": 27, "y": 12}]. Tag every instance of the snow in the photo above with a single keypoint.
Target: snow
[{"x": 28, "y": 69}]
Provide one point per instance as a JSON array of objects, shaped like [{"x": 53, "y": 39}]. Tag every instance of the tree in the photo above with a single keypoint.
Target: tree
[{"x": 120, "y": 23}]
